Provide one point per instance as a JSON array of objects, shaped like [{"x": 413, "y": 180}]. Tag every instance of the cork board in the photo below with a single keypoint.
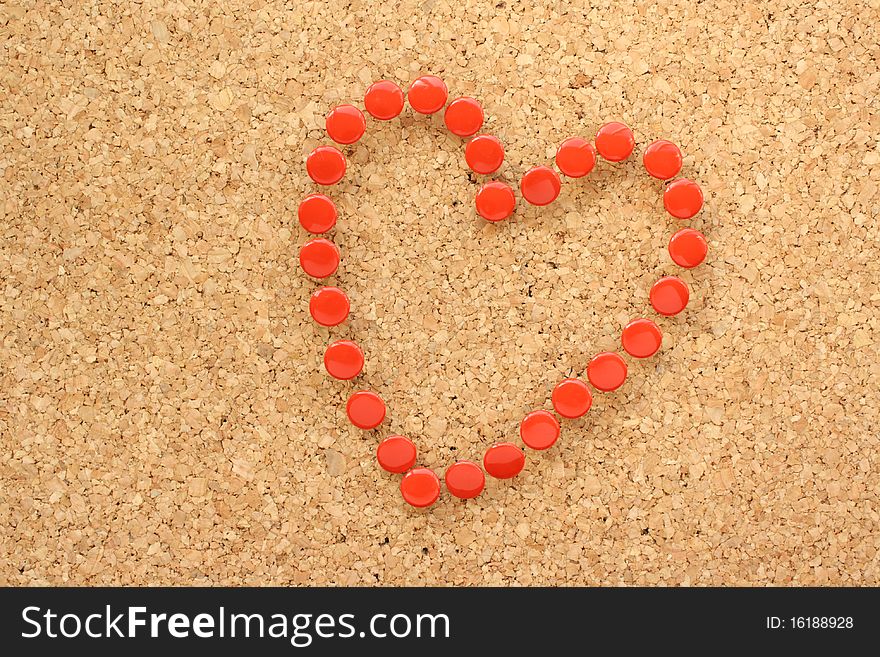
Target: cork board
[{"x": 165, "y": 418}]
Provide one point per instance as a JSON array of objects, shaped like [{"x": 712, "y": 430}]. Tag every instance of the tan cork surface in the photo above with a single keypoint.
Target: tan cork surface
[{"x": 164, "y": 413}]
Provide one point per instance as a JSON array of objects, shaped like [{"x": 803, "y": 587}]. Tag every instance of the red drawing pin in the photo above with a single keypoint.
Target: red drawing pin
[
  {"x": 365, "y": 409},
  {"x": 641, "y": 338},
  {"x": 464, "y": 116},
  {"x": 540, "y": 185},
  {"x": 317, "y": 213},
  {"x": 572, "y": 398},
  {"x": 345, "y": 124},
  {"x": 396, "y": 454},
  {"x": 662, "y": 159},
  {"x": 576, "y": 157},
  {"x": 484, "y": 154},
  {"x": 326, "y": 165},
  {"x": 669, "y": 295},
  {"x": 615, "y": 141},
  {"x": 465, "y": 479},
  {"x": 344, "y": 359},
  {"x": 683, "y": 198},
  {"x": 319, "y": 257},
  {"x": 504, "y": 460},
  {"x": 427, "y": 94},
  {"x": 384, "y": 100},
  {"x": 495, "y": 201},
  {"x": 420, "y": 487},
  {"x": 606, "y": 371},
  {"x": 329, "y": 306},
  {"x": 688, "y": 248},
  {"x": 539, "y": 429}
]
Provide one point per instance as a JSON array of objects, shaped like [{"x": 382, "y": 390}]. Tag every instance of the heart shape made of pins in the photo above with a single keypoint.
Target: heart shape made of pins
[{"x": 495, "y": 201}]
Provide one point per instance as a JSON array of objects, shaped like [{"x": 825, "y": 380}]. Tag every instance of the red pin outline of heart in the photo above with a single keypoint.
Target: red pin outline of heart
[{"x": 607, "y": 371}]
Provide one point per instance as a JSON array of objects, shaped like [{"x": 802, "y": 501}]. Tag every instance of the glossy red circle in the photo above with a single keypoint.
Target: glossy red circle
[
  {"x": 495, "y": 201},
  {"x": 504, "y": 460},
  {"x": 464, "y": 116},
  {"x": 326, "y": 165},
  {"x": 319, "y": 257},
  {"x": 576, "y": 157},
  {"x": 427, "y": 94},
  {"x": 540, "y": 185},
  {"x": 365, "y": 409},
  {"x": 688, "y": 248},
  {"x": 329, "y": 306},
  {"x": 683, "y": 198},
  {"x": 384, "y": 100},
  {"x": 317, "y": 213},
  {"x": 615, "y": 141},
  {"x": 344, "y": 359},
  {"x": 345, "y": 124},
  {"x": 572, "y": 398},
  {"x": 662, "y": 159},
  {"x": 420, "y": 487},
  {"x": 465, "y": 479},
  {"x": 539, "y": 429},
  {"x": 606, "y": 371},
  {"x": 396, "y": 454},
  {"x": 669, "y": 295},
  {"x": 641, "y": 338},
  {"x": 484, "y": 154}
]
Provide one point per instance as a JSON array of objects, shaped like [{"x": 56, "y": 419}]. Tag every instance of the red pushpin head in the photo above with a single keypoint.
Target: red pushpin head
[
  {"x": 465, "y": 479},
  {"x": 365, "y": 409},
  {"x": 615, "y": 141},
  {"x": 420, "y": 487},
  {"x": 326, "y": 165},
  {"x": 344, "y": 360},
  {"x": 317, "y": 213},
  {"x": 495, "y": 201},
  {"x": 319, "y": 257},
  {"x": 484, "y": 154},
  {"x": 384, "y": 100},
  {"x": 329, "y": 306},
  {"x": 606, "y": 371},
  {"x": 504, "y": 460},
  {"x": 669, "y": 295},
  {"x": 572, "y": 398},
  {"x": 396, "y": 454},
  {"x": 539, "y": 429},
  {"x": 641, "y": 338},
  {"x": 540, "y": 185},
  {"x": 688, "y": 248},
  {"x": 576, "y": 157},
  {"x": 464, "y": 116},
  {"x": 662, "y": 159},
  {"x": 345, "y": 124},
  {"x": 427, "y": 94},
  {"x": 683, "y": 198}
]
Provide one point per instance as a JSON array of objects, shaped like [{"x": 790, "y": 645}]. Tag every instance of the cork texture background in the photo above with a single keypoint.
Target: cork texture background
[{"x": 164, "y": 412}]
